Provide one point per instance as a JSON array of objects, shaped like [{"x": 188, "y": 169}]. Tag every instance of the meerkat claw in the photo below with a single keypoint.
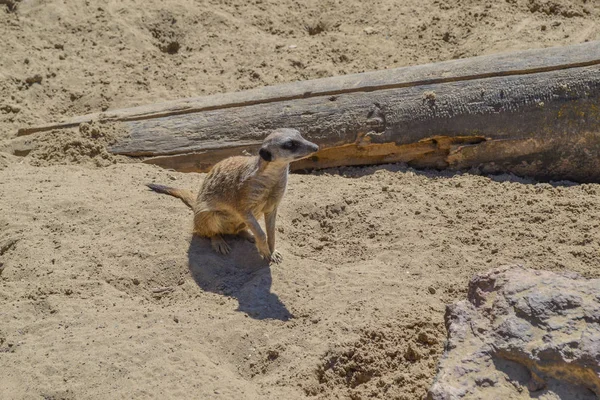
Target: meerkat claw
[
  {"x": 219, "y": 245},
  {"x": 276, "y": 257},
  {"x": 265, "y": 255}
]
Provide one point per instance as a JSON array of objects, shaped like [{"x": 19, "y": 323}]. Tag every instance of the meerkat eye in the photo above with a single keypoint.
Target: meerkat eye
[{"x": 290, "y": 145}]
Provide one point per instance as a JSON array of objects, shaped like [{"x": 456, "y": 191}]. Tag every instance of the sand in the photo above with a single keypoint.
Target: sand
[{"x": 105, "y": 294}]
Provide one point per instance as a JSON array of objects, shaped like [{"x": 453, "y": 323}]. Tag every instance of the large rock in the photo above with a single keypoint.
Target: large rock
[{"x": 523, "y": 334}]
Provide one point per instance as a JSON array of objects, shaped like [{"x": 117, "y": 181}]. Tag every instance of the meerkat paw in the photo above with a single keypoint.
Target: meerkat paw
[
  {"x": 265, "y": 255},
  {"x": 219, "y": 245},
  {"x": 247, "y": 235},
  {"x": 276, "y": 257},
  {"x": 264, "y": 252}
]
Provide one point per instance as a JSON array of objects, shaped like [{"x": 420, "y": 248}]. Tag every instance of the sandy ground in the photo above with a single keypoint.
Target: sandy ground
[{"x": 104, "y": 293}]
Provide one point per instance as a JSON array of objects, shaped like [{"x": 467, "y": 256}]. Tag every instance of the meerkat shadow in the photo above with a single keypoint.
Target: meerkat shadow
[{"x": 241, "y": 274}]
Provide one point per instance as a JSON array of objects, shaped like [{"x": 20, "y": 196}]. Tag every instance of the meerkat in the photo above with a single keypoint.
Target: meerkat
[{"x": 240, "y": 190}]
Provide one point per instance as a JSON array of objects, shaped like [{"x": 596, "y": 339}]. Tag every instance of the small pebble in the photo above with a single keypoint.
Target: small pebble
[
  {"x": 431, "y": 290},
  {"x": 37, "y": 78}
]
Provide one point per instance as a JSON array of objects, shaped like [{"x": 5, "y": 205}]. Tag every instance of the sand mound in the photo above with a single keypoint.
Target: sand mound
[
  {"x": 86, "y": 145},
  {"x": 394, "y": 361}
]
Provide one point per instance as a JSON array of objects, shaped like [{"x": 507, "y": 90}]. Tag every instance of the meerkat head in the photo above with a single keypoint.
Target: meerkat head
[{"x": 286, "y": 145}]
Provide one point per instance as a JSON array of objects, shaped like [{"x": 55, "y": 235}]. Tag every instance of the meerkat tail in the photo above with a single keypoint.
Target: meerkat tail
[{"x": 185, "y": 195}]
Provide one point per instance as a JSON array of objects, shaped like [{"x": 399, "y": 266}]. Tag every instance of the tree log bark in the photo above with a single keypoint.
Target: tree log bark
[{"x": 534, "y": 113}]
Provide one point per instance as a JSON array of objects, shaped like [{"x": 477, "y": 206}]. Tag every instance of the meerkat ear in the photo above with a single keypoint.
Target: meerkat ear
[{"x": 265, "y": 154}]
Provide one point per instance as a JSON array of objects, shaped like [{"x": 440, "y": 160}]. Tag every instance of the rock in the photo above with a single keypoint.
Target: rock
[
  {"x": 10, "y": 108},
  {"x": 272, "y": 355},
  {"x": 522, "y": 331},
  {"x": 37, "y": 78}
]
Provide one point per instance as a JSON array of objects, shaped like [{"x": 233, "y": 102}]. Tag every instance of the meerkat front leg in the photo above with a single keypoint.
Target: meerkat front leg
[
  {"x": 259, "y": 236},
  {"x": 270, "y": 224},
  {"x": 244, "y": 234}
]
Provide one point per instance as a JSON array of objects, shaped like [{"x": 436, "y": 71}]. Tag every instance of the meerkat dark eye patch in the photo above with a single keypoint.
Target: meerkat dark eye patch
[
  {"x": 265, "y": 154},
  {"x": 290, "y": 145}
]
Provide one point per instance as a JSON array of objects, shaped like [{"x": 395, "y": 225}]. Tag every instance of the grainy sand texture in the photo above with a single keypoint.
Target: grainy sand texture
[{"x": 105, "y": 294}]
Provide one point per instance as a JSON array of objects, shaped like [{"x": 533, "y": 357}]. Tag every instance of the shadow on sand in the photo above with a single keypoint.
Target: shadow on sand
[
  {"x": 241, "y": 274},
  {"x": 361, "y": 171}
]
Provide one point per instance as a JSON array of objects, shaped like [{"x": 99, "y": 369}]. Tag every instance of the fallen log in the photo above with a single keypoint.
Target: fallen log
[{"x": 534, "y": 112}]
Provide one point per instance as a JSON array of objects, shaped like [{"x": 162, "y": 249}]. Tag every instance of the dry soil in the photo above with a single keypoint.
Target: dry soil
[{"x": 105, "y": 294}]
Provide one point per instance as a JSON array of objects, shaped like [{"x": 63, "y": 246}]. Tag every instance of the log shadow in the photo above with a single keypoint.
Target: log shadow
[
  {"x": 362, "y": 171},
  {"x": 520, "y": 375},
  {"x": 241, "y": 274}
]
